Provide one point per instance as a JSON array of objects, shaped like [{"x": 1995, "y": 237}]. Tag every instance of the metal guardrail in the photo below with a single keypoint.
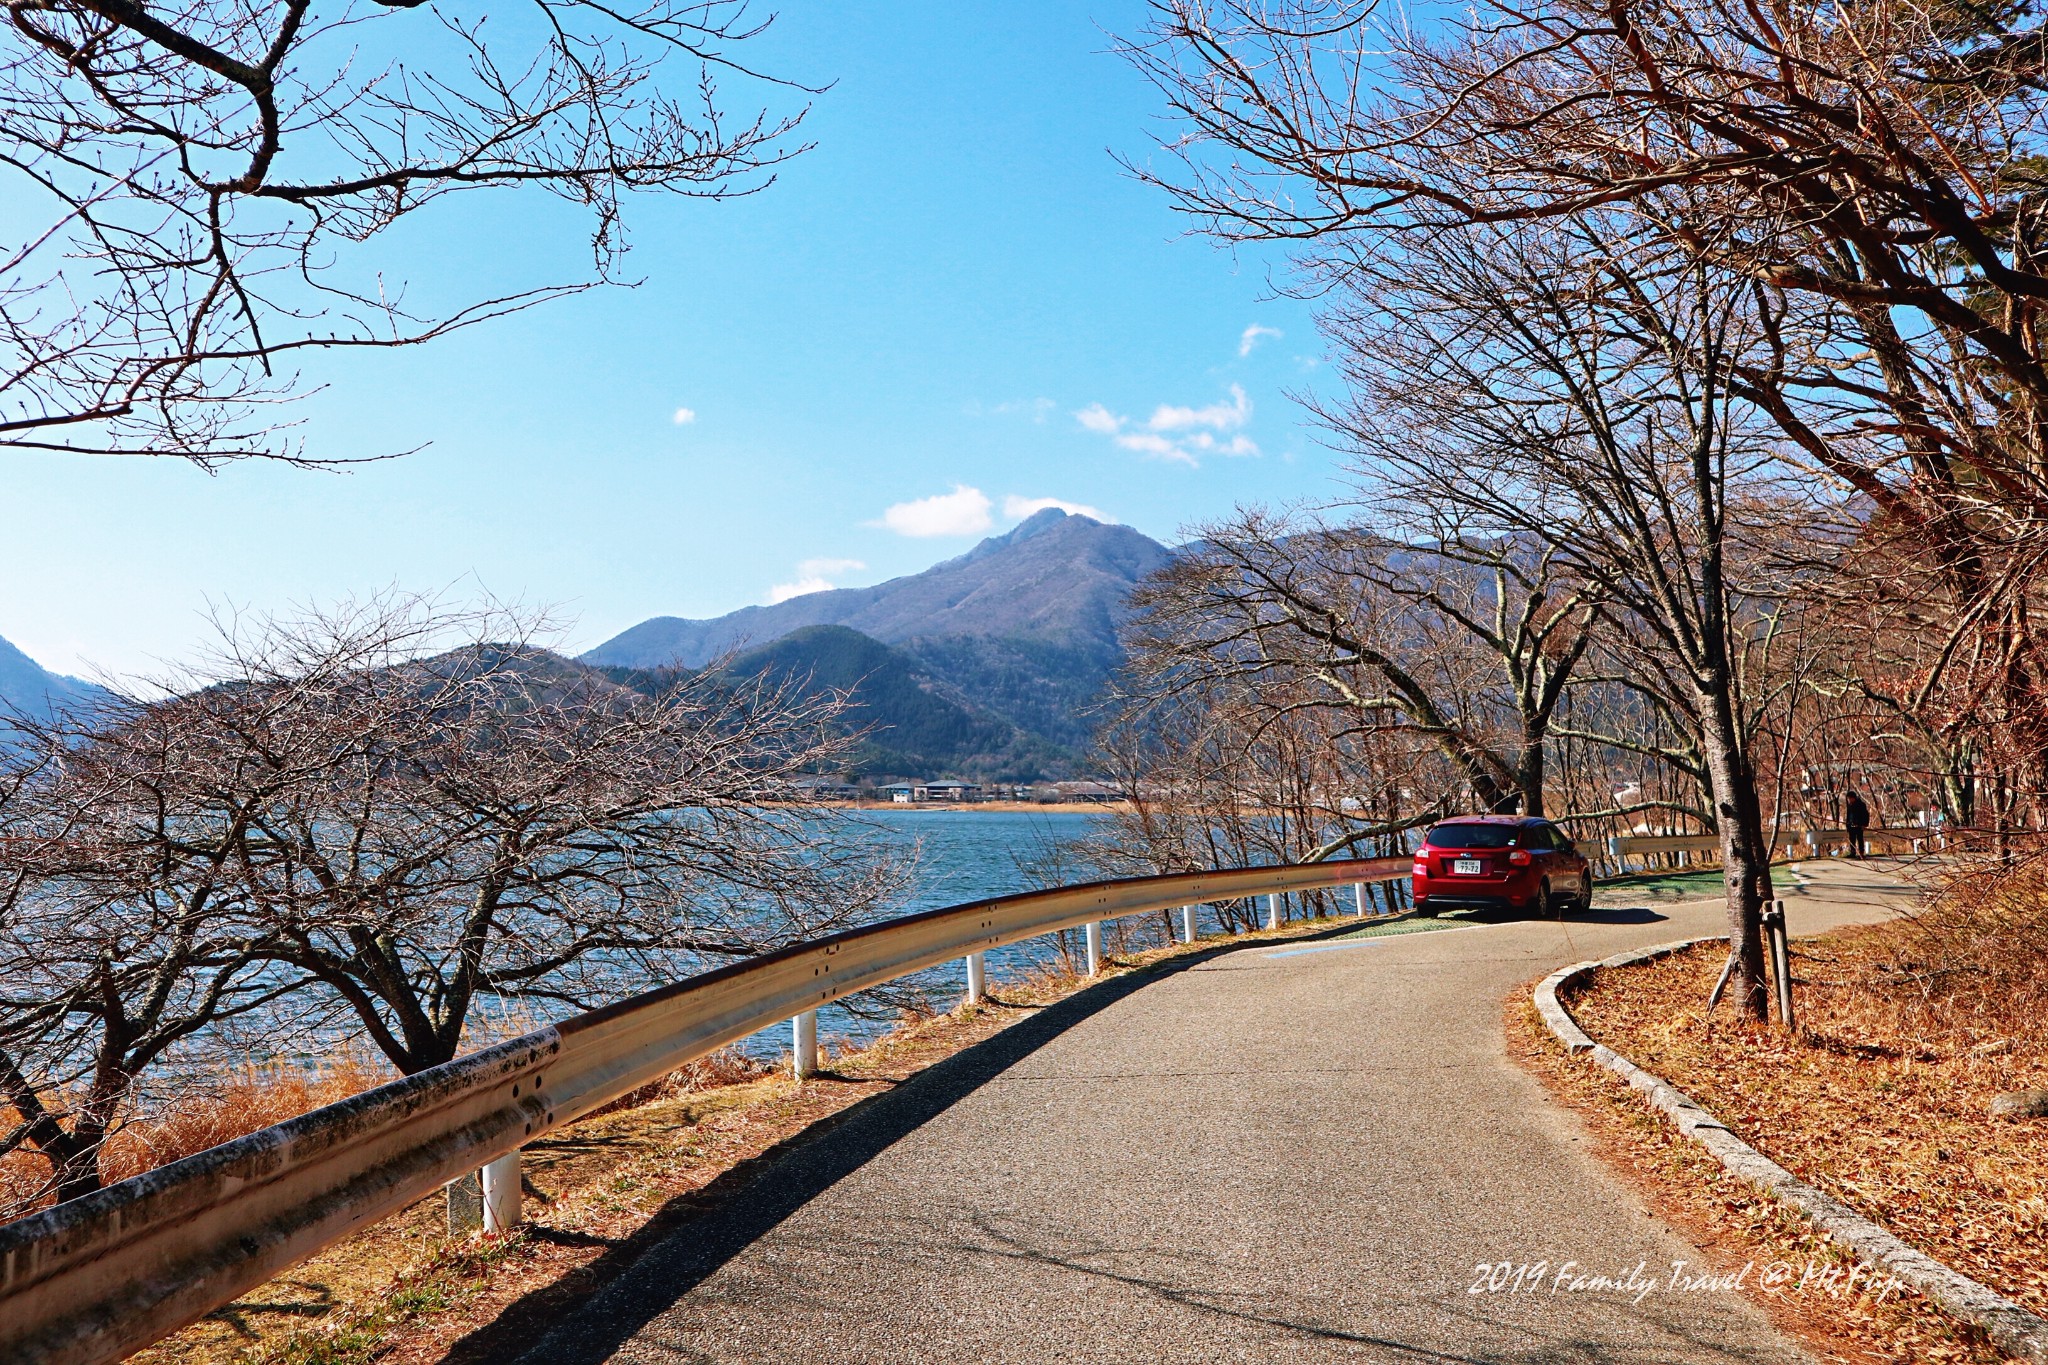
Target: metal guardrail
[
  {"x": 1909, "y": 837},
  {"x": 1622, "y": 845},
  {"x": 104, "y": 1275},
  {"x": 1817, "y": 842}
]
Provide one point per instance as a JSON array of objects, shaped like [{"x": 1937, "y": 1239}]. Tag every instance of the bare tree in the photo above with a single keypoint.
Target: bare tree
[
  {"x": 1465, "y": 643},
  {"x": 1566, "y": 386},
  {"x": 1873, "y": 176},
  {"x": 195, "y": 190},
  {"x": 382, "y": 821},
  {"x": 498, "y": 824},
  {"x": 125, "y": 937}
]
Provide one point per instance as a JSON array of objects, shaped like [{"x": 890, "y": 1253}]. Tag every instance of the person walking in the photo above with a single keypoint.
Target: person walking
[{"x": 1856, "y": 820}]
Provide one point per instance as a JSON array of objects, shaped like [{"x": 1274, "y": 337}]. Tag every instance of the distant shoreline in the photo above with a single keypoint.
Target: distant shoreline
[{"x": 1011, "y": 807}]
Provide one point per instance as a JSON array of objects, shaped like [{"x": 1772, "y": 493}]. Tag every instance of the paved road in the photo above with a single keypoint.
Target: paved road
[{"x": 1265, "y": 1156}]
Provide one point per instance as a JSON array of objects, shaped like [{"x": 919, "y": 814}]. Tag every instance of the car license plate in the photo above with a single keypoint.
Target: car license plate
[{"x": 1468, "y": 867}]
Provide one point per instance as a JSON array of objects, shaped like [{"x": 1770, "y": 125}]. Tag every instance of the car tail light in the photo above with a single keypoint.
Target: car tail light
[
  {"x": 1520, "y": 857},
  {"x": 1421, "y": 869}
]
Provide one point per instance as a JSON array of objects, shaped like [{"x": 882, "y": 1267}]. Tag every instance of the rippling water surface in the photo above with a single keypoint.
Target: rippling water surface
[{"x": 963, "y": 855}]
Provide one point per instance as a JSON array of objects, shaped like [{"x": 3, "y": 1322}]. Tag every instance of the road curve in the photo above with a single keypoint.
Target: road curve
[{"x": 1267, "y": 1155}]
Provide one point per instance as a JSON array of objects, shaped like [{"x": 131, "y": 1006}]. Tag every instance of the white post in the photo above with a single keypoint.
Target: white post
[
  {"x": 1358, "y": 899},
  {"x": 1273, "y": 911},
  {"x": 804, "y": 1056},
  {"x": 1187, "y": 924},
  {"x": 977, "y": 979},
  {"x": 1092, "y": 932},
  {"x": 501, "y": 1193}
]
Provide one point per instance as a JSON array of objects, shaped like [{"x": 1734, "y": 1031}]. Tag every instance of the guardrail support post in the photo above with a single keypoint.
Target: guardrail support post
[
  {"x": 1091, "y": 933},
  {"x": 804, "y": 1053},
  {"x": 1187, "y": 924},
  {"x": 977, "y": 979},
  {"x": 1358, "y": 899},
  {"x": 501, "y": 1193},
  {"x": 1273, "y": 911}
]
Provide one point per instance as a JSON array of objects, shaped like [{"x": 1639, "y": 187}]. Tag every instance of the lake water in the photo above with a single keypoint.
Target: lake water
[{"x": 963, "y": 855}]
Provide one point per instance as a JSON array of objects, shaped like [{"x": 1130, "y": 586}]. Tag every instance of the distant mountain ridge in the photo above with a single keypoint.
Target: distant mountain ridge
[
  {"x": 27, "y": 688},
  {"x": 1058, "y": 578},
  {"x": 985, "y": 664},
  {"x": 915, "y": 724}
]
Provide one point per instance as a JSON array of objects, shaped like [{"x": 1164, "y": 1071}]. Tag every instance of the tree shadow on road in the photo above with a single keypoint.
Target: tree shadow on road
[
  {"x": 588, "y": 1314},
  {"x": 1599, "y": 914},
  {"x": 1617, "y": 914}
]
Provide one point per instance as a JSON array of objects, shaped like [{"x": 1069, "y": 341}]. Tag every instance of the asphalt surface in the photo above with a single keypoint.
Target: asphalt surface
[{"x": 1267, "y": 1155}]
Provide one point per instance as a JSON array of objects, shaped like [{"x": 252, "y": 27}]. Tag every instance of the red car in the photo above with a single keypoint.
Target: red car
[{"x": 1500, "y": 862}]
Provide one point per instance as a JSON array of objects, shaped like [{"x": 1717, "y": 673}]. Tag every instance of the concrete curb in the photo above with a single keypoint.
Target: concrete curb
[{"x": 2011, "y": 1328}]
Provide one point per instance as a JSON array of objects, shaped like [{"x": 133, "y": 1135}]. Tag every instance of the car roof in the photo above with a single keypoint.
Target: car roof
[{"x": 1493, "y": 820}]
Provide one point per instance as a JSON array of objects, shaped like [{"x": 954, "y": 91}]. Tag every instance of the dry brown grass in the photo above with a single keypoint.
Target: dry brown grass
[
  {"x": 1971, "y": 967},
  {"x": 1907, "y": 1032},
  {"x": 208, "y": 1111}
]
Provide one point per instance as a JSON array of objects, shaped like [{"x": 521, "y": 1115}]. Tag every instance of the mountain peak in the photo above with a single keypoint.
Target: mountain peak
[
  {"x": 1055, "y": 578},
  {"x": 1045, "y": 520}
]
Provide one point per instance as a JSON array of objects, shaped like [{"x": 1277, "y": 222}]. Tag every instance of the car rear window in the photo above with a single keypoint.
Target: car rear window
[{"x": 1472, "y": 836}]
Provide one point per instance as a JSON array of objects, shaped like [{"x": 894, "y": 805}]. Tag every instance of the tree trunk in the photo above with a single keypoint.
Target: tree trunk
[
  {"x": 1745, "y": 849},
  {"x": 73, "y": 1153},
  {"x": 75, "y": 1160},
  {"x": 1529, "y": 775}
]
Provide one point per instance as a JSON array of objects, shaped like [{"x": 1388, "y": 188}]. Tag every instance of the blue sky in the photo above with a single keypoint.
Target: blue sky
[{"x": 956, "y": 305}]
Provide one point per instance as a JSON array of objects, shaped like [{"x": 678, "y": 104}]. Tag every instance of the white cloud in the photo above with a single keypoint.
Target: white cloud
[
  {"x": 1236, "y": 445},
  {"x": 1253, "y": 335},
  {"x": 962, "y": 512},
  {"x": 1097, "y": 418},
  {"x": 1178, "y": 434},
  {"x": 1016, "y": 508},
  {"x": 813, "y": 575},
  {"x": 685, "y": 416},
  {"x": 1145, "y": 443},
  {"x": 1221, "y": 416}
]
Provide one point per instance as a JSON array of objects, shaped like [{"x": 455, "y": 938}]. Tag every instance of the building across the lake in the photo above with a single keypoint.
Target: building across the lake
[
  {"x": 949, "y": 792},
  {"x": 827, "y": 788},
  {"x": 1083, "y": 792}
]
